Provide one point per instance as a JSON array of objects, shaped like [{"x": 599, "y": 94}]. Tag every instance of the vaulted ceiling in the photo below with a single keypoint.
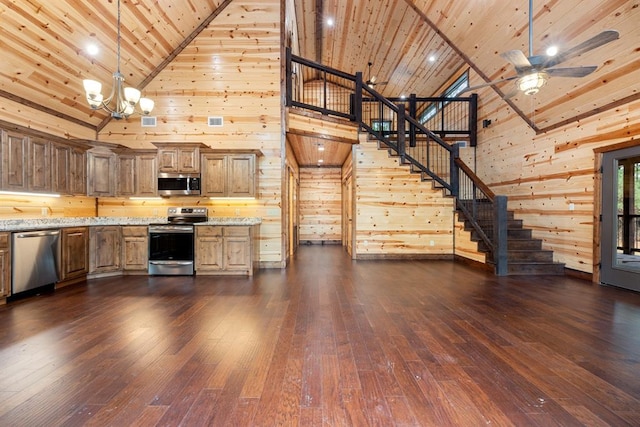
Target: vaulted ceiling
[{"x": 45, "y": 54}]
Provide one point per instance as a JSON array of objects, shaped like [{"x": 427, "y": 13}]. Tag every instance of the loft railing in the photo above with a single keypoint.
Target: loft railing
[{"x": 402, "y": 126}]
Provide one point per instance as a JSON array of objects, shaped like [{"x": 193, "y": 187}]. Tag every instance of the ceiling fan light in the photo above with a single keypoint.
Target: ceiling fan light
[{"x": 531, "y": 83}]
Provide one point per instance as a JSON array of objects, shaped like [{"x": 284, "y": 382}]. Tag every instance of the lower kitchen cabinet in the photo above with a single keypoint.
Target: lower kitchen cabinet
[
  {"x": 135, "y": 249},
  {"x": 104, "y": 250},
  {"x": 5, "y": 264},
  {"x": 224, "y": 250},
  {"x": 75, "y": 253}
]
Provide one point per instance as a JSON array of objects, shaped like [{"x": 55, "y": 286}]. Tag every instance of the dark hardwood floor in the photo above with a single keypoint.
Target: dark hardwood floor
[{"x": 326, "y": 342}]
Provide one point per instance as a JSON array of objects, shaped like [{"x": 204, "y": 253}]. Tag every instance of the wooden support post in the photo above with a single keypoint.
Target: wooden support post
[
  {"x": 289, "y": 78},
  {"x": 473, "y": 120},
  {"x": 413, "y": 110},
  {"x": 357, "y": 99}
]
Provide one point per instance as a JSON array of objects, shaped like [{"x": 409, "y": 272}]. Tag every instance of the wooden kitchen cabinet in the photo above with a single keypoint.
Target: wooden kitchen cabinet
[
  {"x": 228, "y": 175},
  {"x": 137, "y": 174},
  {"x": 68, "y": 170},
  {"x": 178, "y": 158},
  {"x": 39, "y": 165},
  {"x": 135, "y": 249},
  {"x": 101, "y": 172},
  {"x": 224, "y": 250},
  {"x": 15, "y": 150},
  {"x": 104, "y": 250},
  {"x": 77, "y": 171},
  {"x": 75, "y": 253},
  {"x": 5, "y": 264},
  {"x": 208, "y": 249}
]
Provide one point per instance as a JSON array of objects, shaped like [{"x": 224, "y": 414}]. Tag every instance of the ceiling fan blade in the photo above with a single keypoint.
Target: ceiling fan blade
[
  {"x": 594, "y": 42},
  {"x": 373, "y": 80},
  {"x": 571, "y": 71},
  {"x": 471, "y": 88},
  {"x": 518, "y": 59},
  {"x": 511, "y": 94}
]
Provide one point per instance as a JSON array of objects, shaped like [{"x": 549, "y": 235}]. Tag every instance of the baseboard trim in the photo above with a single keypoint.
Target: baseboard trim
[
  {"x": 578, "y": 274},
  {"x": 474, "y": 263},
  {"x": 320, "y": 242},
  {"x": 409, "y": 257}
]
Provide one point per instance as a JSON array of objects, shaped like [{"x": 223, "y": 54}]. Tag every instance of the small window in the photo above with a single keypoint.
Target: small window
[{"x": 451, "y": 92}]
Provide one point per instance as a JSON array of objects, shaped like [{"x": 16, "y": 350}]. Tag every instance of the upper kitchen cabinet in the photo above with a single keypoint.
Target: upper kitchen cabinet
[
  {"x": 229, "y": 174},
  {"x": 39, "y": 164},
  {"x": 179, "y": 158},
  {"x": 137, "y": 173},
  {"x": 68, "y": 169},
  {"x": 101, "y": 172},
  {"x": 15, "y": 150}
]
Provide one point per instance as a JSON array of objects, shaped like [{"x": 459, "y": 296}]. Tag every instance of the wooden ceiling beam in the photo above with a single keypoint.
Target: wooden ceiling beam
[{"x": 47, "y": 110}]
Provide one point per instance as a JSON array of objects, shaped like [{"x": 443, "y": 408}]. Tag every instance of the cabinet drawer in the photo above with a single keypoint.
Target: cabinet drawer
[
  {"x": 236, "y": 231},
  {"x": 134, "y": 231},
  {"x": 208, "y": 230}
]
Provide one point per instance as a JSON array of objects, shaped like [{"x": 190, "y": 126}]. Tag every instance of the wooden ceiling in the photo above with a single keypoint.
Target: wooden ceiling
[{"x": 45, "y": 57}]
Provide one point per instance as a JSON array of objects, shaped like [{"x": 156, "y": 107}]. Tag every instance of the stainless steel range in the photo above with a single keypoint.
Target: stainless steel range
[{"x": 171, "y": 244}]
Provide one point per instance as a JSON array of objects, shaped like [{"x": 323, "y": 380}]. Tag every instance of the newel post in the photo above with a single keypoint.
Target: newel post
[
  {"x": 357, "y": 101},
  {"x": 289, "y": 78},
  {"x": 401, "y": 131},
  {"x": 500, "y": 254}
]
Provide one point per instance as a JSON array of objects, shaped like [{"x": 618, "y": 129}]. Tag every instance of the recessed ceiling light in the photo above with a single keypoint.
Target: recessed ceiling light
[
  {"x": 330, "y": 22},
  {"x": 552, "y": 51},
  {"x": 92, "y": 49},
  {"x": 320, "y": 147},
  {"x": 320, "y": 161},
  {"x": 432, "y": 58}
]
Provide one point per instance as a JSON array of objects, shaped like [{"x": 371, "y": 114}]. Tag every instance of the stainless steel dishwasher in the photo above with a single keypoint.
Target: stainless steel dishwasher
[{"x": 35, "y": 259}]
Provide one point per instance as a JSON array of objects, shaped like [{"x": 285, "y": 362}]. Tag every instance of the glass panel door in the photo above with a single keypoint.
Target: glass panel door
[{"x": 621, "y": 218}]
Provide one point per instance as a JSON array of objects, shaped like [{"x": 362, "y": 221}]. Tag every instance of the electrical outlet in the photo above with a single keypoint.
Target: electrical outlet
[
  {"x": 45, "y": 212},
  {"x": 432, "y": 243},
  {"x": 237, "y": 212},
  {"x": 155, "y": 212}
]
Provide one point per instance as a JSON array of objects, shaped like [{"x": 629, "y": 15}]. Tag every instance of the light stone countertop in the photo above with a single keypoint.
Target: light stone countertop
[{"x": 48, "y": 223}]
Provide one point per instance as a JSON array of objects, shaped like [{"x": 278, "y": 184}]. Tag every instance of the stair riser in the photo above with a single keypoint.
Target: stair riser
[{"x": 530, "y": 256}]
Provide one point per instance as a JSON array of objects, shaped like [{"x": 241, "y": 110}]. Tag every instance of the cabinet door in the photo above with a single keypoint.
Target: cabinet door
[
  {"x": 208, "y": 250},
  {"x": 104, "y": 249},
  {"x": 214, "y": 175},
  {"x": 77, "y": 172},
  {"x": 101, "y": 174},
  {"x": 5, "y": 265},
  {"x": 135, "y": 248},
  {"x": 14, "y": 157},
  {"x": 168, "y": 160},
  {"x": 75, "y": 252},
  {"x": 146, "y": 175},
  {"x": 241, "y": 175},
  {"x": 237, "y": 249},
  {"x": 39, "y": 162},
  {"x": 60, "y": 169},
  {"x": 189, "y": 160},
  {"x": 126, "y": 185}
]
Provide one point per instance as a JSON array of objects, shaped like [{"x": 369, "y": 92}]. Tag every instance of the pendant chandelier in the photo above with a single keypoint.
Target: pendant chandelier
[{"x": 122, "y": 101}]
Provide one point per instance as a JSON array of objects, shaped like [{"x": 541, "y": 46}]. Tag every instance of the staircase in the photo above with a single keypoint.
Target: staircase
[
  {"x": 506, "y": 243},
  {"x": 525, "y": 255}
]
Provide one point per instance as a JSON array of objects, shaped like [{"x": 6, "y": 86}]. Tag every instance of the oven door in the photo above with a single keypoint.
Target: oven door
[{"x": 171, "y": 250}]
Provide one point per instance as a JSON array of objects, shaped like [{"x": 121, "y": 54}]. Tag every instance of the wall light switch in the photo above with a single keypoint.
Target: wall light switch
[
  {"x": 45, "y": 212},
  {"x": 572, "y": 206}
]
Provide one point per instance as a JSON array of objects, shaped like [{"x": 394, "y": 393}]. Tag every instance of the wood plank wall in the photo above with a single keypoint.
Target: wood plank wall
[
  {"x": 543, "y": 175},
  {"x": 232, "y": 69},
  {"x": 320, "y": 205},
  {"x": 22, "y": 207},
  {"x": 397, "y": 215}
]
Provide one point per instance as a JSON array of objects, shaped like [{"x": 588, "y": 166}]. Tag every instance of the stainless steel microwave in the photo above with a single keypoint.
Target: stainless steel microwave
[{"x": 178, "y": 184}]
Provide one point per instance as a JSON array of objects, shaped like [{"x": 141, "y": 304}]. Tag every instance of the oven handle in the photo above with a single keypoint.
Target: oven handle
[
  {"x": 171, "y": 229},
  {"x": 171, "y": 263}
]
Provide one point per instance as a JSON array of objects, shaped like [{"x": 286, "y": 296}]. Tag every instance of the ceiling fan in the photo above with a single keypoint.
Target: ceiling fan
[
  {"x": 532, "y": 72},
  {"x": 371, "y": 82}
]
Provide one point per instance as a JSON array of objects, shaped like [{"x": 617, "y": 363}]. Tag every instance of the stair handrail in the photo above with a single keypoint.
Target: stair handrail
[{"x": 460, "y": 175}]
